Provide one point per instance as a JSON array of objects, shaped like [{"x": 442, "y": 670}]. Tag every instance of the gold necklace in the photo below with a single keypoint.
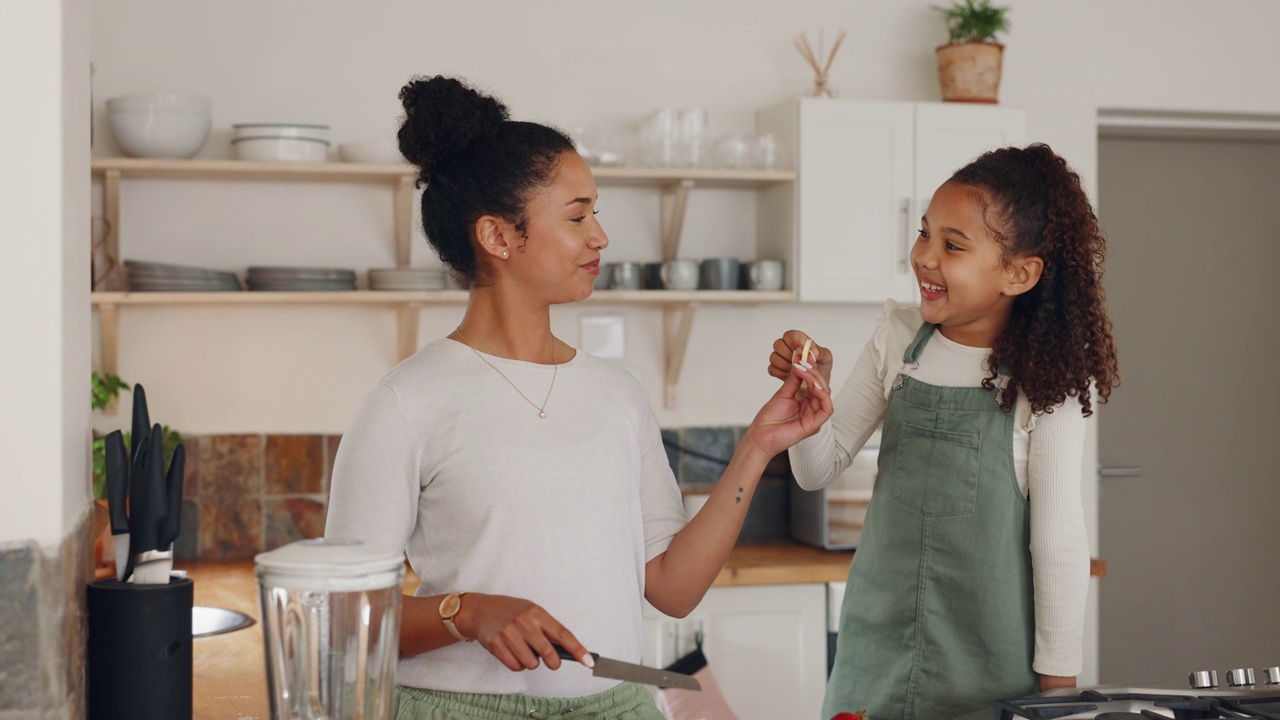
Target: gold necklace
[{"x": 542, "y": 411}]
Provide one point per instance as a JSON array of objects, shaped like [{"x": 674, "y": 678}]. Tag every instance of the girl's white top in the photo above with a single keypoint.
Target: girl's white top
[
  {"x": 447, "y": 463},
  {"x": 1048, "y": 452}
]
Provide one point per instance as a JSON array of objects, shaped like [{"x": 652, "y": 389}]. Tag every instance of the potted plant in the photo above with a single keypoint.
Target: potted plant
[{"x": 969, "y": 64}]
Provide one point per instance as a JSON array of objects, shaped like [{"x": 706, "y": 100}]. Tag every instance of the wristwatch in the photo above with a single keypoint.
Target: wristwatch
[{"x": 449, "y": 608}]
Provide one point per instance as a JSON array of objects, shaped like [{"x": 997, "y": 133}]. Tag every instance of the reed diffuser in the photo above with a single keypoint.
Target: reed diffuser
[{"x": 820, "y": 62}]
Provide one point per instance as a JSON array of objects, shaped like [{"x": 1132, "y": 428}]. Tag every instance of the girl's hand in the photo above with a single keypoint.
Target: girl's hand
[
  {"x": 1049, "y": 682},
  {"x": 792, "y": 414},
  {"x": 786, "y": 352},
  {"x": 517, "y": 631}
]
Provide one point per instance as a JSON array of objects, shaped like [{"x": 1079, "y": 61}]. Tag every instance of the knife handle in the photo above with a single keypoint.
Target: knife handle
[
  {"x": 566, "y": 655},
  {"x": 172, "y": 524},
  {"x": 117, "y": 482}
]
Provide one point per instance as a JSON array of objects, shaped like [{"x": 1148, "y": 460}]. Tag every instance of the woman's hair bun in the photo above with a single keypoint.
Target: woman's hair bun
[{"x": 443, "y": 116}]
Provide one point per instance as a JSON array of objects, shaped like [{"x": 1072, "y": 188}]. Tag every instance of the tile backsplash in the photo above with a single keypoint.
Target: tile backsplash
[{"x": 248, "y": 493}]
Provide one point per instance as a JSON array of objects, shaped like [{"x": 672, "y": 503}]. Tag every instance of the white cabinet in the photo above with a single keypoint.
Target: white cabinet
[
  {"x": 766, "y": 645},
  {"x": 865, "y": 174}
]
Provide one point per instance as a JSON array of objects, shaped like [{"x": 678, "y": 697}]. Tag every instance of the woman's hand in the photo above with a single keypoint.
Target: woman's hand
[
  {"x": 786, "y": 352},
  {"x": 794, "y": 412},
  {"x": 517, "y": 631},
  {"x": 1049, "y": 682}
]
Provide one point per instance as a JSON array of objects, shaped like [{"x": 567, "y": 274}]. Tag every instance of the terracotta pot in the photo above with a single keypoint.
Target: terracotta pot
[{"x": 970, "y": 72}]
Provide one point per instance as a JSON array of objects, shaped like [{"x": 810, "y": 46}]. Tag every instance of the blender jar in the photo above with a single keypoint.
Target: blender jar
[{"x": 331, "y": 626}]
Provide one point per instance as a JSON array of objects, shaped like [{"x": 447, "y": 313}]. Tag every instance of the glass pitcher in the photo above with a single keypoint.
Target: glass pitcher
[{"x": 330, "y": 625}]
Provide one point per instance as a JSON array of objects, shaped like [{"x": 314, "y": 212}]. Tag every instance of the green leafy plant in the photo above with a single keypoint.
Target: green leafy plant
[
  {"x": 970, "y": 21},
  {"x": 107, "y": 387}
]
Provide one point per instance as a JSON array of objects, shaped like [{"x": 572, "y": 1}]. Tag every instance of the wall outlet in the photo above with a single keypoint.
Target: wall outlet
[{"x": 604, "y": 336}]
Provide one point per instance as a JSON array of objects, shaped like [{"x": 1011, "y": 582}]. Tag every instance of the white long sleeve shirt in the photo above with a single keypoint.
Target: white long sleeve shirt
[
  {"x": 1048, "y": 452},
  {"x": 445, "y": 461}
]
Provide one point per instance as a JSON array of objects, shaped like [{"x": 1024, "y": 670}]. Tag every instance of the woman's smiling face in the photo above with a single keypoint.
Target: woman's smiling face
[{"x": 960, "y": 268}]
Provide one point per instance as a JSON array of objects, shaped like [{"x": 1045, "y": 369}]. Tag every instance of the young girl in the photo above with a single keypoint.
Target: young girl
[
  {"x": 969, "y": 582},
  {"x": 526, "y": 480}
]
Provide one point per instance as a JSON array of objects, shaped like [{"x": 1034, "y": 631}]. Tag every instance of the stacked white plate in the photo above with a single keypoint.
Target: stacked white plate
[
  {"x": 280, "y": 142},
  {"x": 301, "y": 279},
  {"x": 161, "y": 277},
  {"x": 406, "y": 279}
]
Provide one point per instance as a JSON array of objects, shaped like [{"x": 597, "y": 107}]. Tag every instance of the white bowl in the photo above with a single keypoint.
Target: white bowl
[
  {"x": 279, "y": 130},
  {"x": 383, "y": 152},
  {"x": 160, "y": 102},
  {"x": 159, "y": 134},
  {"x": 278, "y": 149}
]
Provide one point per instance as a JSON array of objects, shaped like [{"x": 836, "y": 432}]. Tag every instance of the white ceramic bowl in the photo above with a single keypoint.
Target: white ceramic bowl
[
  {"x": 160, "y": 102},
  {"x": 158, "y": 133},
  {"x": 383, "y": 152},
  {"x": 278, "y": 149},
  {"x": 279, "y": 130}
]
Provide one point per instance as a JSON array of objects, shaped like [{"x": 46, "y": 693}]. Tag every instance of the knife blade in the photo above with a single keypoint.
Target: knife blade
[
  {"x": 631, "y": 672},
  {"x": 118, "y": 498}
]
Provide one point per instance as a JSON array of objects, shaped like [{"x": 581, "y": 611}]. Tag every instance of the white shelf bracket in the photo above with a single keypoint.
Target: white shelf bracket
[
  {"x": 109, "y": 348},
  {"x": 404, "y": 220},
  {"x": 677, "y": 322},
  {"x": 675, "y": 197}
]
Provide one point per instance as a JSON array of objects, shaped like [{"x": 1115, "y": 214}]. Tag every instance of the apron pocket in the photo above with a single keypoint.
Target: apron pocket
[{"x": 935, "y": 472}]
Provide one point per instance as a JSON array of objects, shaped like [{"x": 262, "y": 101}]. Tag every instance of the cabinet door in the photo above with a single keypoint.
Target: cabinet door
[
  {"x": 855, "y": 168},
  {"x": 766, "y": 645},
  {"x": 950, "y": 136}
]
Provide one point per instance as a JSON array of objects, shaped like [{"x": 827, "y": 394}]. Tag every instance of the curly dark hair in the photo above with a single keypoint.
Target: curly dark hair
[
  {"x": 1058, "y": 341},
  {"x": 473, "y": 161}
]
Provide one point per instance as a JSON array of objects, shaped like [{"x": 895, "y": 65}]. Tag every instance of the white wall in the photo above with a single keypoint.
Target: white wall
[
  {"x": 571, "y": 63},
  {"x": 44, "y": 280}
]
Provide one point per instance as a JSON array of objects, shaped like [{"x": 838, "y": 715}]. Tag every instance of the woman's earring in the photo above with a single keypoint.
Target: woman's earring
[{"x": 504, "y": 253}]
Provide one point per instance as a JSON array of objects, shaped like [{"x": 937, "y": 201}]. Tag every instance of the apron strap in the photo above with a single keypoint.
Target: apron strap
[{"x": 922, "y": 337}]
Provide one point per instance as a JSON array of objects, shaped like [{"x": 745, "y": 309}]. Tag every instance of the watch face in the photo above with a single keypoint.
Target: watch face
[{"x": 450, "y": 606}]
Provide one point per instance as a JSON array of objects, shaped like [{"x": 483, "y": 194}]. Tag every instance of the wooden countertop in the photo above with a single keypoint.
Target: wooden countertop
[{"x": 229, "y": 671}]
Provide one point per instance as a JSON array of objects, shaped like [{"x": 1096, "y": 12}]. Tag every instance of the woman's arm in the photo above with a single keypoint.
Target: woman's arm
[
  {"x": 514, "y": 630},
  {"x": 676, "y": 580}
]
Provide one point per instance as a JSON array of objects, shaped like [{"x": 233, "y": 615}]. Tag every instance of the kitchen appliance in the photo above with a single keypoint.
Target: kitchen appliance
[
  {"x": 330, "y": 616},
  {"x": 1243, "y": 697},
  {"x": 831, "y": 518}
]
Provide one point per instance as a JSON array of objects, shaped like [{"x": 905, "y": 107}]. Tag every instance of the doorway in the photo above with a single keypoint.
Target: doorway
[{"x": 1191, "y": 545}]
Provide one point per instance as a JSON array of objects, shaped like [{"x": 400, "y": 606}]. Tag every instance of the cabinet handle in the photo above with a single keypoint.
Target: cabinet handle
[
  {"x": 1120, "y": 472},
  {"x": 904, "y": 252}
]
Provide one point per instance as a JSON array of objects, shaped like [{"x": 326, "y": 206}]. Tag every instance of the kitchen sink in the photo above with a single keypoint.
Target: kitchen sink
[{"x": 207, "y": 621}]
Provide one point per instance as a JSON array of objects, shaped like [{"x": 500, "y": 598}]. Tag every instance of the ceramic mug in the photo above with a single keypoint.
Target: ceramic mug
[
  {"x": 720, "y": 274},
  {"x": 679, "y": 274},
  {"x": 625, "y": 276},
  {"x": 653, "y": 276},
  {"x": 765, "y": 275}
]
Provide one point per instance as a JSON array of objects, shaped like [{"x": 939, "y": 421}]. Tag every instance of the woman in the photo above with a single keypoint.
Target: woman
[{"x": 526, "y": 480}]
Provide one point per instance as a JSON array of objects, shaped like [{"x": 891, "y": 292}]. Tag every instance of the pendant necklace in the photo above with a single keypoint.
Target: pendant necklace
[{"x": 542, "y": 411}]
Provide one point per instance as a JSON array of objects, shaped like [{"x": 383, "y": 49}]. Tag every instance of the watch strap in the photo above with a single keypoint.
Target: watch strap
[{"x": 448, "y": 619}]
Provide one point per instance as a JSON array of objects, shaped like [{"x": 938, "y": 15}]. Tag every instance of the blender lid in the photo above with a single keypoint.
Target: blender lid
[{"x": 328, "y": 557}]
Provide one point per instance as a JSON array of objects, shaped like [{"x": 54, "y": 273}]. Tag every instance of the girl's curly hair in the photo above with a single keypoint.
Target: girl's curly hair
[{"x": 1058, "y": 341}]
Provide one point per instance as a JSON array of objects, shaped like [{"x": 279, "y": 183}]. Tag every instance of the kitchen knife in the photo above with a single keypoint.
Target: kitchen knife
[
  {"x": 173, "y": 489},
  {"x": 118, "y": 498},
  {"x": 631, "y": 672},
  {"x": 151, "y": 561},
  {"x": 141, "y": 422},
  {"x": 138, "y": 444}
]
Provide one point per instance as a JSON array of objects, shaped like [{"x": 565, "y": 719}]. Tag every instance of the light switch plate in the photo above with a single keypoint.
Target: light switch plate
[{"x": 604, "y": 336}]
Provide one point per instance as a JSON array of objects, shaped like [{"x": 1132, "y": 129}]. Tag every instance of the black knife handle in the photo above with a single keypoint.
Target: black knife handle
[
  {"x": 566, "y": 655},
  {"x": 141, "y": 422},
  {"x": 173, "y": 488},
  {"x": 117, "y": 482}
]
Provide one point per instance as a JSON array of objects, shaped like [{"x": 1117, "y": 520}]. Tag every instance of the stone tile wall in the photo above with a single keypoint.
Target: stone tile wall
[
  {"x": 42, "y": 627},
  {"x": 248, "y": 493}
]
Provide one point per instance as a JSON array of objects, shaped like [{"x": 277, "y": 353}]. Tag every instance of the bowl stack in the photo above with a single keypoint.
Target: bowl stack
[
  {"x": 159, "y": 277},
  {"x": 280, "y": 142},
  {"x": 406, "y": 279},
  {"x": 299, "y": 279},
  {"x": 162, "y": 125}
]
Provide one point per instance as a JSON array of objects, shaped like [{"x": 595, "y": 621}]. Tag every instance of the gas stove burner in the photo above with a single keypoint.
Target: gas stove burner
[{"x": 1143, "y": 704}]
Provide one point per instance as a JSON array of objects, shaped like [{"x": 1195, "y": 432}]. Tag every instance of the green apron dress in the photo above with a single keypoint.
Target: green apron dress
[{"x": 938, "y": 617}]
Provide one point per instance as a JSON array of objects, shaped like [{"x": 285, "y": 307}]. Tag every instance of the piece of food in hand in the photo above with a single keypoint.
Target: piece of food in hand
[
  {"x": 805, "y": 350},
  {"x": 860, "y": 715}
]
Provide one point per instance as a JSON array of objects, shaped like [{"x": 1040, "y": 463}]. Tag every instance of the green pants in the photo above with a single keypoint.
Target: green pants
[{"x": 627, "y": 701}]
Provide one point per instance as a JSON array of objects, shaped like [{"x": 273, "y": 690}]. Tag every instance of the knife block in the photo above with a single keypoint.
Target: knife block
[{"x": 139, "y": 650}]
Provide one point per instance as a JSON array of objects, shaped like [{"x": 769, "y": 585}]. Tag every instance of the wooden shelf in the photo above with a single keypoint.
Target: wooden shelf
[
  {"x": 361, "y": 172},
  {"x": 428, "y": 297}
]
